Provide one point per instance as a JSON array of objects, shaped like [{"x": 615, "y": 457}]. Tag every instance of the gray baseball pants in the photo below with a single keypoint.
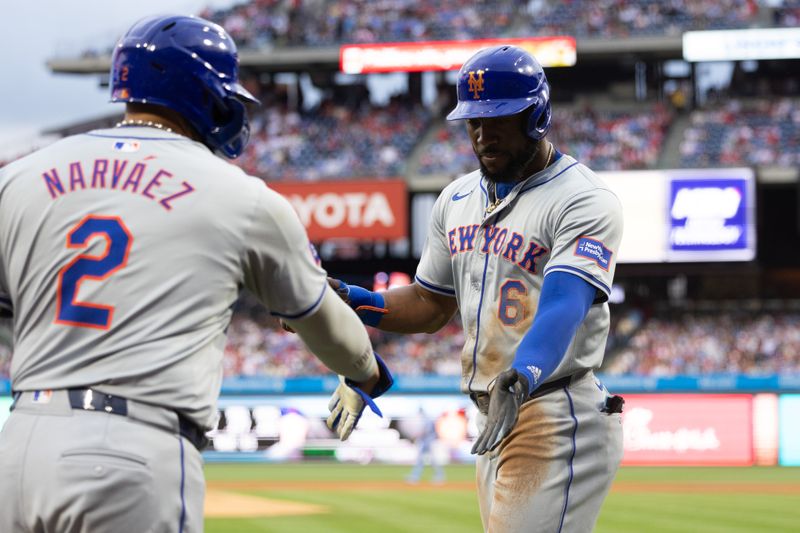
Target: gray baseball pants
[
  {"x": 553, "y": 471},
  {"x": 65, "y": 470}
]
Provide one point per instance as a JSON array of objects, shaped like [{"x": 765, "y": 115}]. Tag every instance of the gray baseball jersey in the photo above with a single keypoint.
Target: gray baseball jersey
[
  {"x": 562, "y": 219},
  {"x": 493, "y": 259},
  {"x": 122, "y": 252}
]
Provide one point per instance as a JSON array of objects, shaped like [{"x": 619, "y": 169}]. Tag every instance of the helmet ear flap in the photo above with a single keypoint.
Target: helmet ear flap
[
  {"x": 539, "y": 121},
  {"x": 232, "y": 129}
]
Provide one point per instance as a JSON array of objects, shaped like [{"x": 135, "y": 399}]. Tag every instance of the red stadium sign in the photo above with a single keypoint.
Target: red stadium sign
[
  {"x": 368, "y": 210},
  {"x": 688, "y": 429},
  {"x": 446, "y": 55}
]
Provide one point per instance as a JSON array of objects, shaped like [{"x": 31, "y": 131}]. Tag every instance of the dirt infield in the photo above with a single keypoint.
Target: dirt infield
[
  {"x": 621, "y": 486},
  {"x": 223, "y": 504},
  {"x": 339, "y": 485}
]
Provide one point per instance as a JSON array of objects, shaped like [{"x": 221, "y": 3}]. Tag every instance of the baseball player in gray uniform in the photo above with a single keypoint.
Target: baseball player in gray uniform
[
  {"x": 122, "y": 252},
  {"x": 525, "y": 248}
]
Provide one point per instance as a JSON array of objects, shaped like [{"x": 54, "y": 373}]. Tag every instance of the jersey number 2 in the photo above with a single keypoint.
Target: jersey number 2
[{"x": 69, "y": 310}]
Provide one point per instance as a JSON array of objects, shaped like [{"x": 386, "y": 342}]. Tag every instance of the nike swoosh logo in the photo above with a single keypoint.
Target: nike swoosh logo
[{"x": 457, "y": 196}]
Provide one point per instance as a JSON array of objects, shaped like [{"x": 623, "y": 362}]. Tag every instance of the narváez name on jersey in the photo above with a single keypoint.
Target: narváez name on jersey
[
  {"x": 496, "y": 240},
  {"x": 117, "y": 174}
]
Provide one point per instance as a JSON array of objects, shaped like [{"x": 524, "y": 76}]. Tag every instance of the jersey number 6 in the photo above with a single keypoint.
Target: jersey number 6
[
  {"x": 512, "y": 308},
  {"x": 70, "y": 311}
]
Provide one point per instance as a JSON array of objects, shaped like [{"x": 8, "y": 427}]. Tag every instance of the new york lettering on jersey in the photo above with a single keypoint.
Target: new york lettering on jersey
[{"x": 498, "y": 241}]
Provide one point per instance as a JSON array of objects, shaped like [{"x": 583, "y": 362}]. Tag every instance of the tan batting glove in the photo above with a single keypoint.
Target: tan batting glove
[
  {"x": 349, "y": 400},
  {"x": 346, "y": 406}
]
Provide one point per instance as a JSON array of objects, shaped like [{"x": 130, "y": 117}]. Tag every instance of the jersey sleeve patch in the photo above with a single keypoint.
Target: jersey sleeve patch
[{"x": 594, "y": 250}]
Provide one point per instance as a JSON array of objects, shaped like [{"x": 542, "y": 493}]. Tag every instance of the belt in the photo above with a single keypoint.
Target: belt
[
  {"x": 91, "y": 400},
  {"x": 481, "y": 399}
]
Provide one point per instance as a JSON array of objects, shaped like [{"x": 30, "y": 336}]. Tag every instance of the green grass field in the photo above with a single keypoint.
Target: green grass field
[{"x": 375, "y": 499}]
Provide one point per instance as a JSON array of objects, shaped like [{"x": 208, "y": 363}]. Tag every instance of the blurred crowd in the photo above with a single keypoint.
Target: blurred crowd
[
  {"x": 787, "y": 14},
  {"x": 600, "y": 138},
  {"x": 448, "y": 152},
  {"x": 760, "y": 132},
  {"x": 757, "y": 343},
  {"x": 342, "y": 141},
  {"x": 692, "y": 343},
  {"x": 266, "y": 24},
  {"x": 257, "y": 345},
  {"x": 334, "y": 141},
  {"x": 763, "y": 343},
  {"x": 612, "y": 140},
  {"x": 282, "y": 23},
  {"x": 624, "y": 18}
]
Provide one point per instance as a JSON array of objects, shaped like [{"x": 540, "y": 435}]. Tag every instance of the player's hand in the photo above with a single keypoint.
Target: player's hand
[
  {"x": 350, "y": 398},
  {"x": 509, "y": 391},
  {"x": 369, "y": 306},
  {"x": 341, "y": 288}
]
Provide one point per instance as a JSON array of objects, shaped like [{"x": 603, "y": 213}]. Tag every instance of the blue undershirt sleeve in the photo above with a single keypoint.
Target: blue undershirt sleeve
[{"x": 564, "y": 301}]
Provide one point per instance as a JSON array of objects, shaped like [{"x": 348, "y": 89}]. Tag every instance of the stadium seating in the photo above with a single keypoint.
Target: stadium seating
[
  {"x": 706, "y": 343},
  {"x": 265, "y": 23},
  {"x": 600, "y": 138},
  {"x": 744, "y": 132},
  {"x": 333, "y": 141},
  {"x": 788, "y": 14},
  {"x": 625, "y": 18},
  {"x": 258, "y": 346},
  {"x": 693, "y": 343},
  {"x": 671, "y": 344}
]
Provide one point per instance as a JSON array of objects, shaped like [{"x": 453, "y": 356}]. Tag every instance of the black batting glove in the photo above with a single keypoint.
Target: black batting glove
[{"x": 510, "y": 390}]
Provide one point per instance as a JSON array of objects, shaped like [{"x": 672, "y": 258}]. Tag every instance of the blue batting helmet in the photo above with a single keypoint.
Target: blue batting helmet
[
  {"x": 189, "y": 65},
  {"x": 500, "y": 81}
]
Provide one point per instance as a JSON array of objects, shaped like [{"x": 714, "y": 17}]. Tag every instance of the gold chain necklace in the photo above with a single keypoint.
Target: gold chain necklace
[
  {"x": 148, "y": 124},
  {"x": 497, "y": 201}
]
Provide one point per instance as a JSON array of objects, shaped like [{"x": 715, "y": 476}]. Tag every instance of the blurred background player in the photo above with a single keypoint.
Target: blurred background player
[
  {"x": 122, "y": 252},
  {"x": 525, "y": 248},
  {"x": 425, "y": 439}
]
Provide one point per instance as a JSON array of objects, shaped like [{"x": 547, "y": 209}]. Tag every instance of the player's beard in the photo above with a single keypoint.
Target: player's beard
[{"x": 515, "y": 170}]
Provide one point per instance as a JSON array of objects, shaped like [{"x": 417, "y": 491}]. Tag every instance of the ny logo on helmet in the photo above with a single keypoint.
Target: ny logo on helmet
[{"x": 475, "y": 84}]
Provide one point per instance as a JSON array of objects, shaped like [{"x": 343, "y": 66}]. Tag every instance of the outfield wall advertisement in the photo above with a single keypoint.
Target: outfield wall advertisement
[
  {"x": 658, "y": 429},
  {"x": 789, "y": 432},
  {"x": 686, "y": 215},
  {"x": 688, "y": 429}
]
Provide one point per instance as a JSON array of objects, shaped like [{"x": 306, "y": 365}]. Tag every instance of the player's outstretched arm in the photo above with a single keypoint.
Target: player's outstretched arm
[
  {"x": 409, "y": 309},
  {"x": 337, "y": 337}
]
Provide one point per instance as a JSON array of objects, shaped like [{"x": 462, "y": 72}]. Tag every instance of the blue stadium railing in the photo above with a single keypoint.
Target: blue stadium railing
[{"x": 435, "y": 384}]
